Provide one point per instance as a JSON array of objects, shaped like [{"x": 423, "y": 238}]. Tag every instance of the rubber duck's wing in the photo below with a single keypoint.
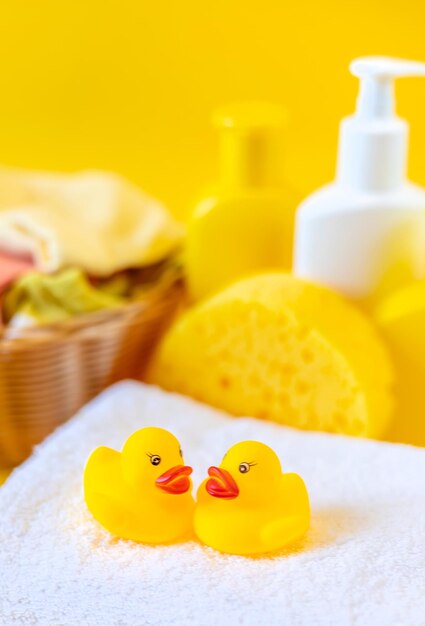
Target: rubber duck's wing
[
  {"x": 102, "y": 472},
  {"x": 294, "y": 496},
  {"x": 283, "y": 531},
  {"x": 114, "y": 515}
]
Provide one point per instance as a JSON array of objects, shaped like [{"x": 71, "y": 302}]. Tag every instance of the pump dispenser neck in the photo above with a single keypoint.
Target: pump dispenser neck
[
  {"x": 373, "y": 142},
  {"x": 376, "y": 98},
  {"x": 372, "y": 155},
  {"x": 249, "y": 145}
]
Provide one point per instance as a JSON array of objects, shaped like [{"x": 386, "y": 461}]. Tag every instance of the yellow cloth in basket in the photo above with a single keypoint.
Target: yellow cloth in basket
[{"x": 42, "y": 299}]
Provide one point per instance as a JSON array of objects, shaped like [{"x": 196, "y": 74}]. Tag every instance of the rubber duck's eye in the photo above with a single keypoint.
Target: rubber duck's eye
[
  {"x": 244, "y": 468},
  {"x": 181, "y": 453},
  {"x": 155, "y": 459}
]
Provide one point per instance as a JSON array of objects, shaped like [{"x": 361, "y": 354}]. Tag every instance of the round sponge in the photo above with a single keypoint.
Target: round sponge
[{"x": 279, "y": 348}]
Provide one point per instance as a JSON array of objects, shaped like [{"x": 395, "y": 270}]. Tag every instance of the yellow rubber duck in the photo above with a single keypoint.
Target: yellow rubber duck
[
  {"x": 247, "y": 506},
  {"x": 144, "y": 492}
]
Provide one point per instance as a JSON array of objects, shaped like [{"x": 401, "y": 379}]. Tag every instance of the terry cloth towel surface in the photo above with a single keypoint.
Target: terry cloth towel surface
[{"x": 362, "y": 562}]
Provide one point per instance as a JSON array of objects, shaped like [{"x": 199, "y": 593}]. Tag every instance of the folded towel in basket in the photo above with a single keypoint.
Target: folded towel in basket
[
  {"x": 362, "y": 562},
  {"x": 97, "y": 221}
]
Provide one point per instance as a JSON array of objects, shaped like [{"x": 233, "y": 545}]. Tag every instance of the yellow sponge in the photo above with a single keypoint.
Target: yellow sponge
[{"x": 278, "y": 348}]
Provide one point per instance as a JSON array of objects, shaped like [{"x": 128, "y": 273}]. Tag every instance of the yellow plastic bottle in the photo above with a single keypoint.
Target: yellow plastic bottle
[
  {"x": 401, "y": 319},
  {"x": 247, "y": 224}
]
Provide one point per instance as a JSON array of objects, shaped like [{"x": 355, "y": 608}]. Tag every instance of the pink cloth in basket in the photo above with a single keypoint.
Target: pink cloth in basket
[{"x": 11, "y": 267}]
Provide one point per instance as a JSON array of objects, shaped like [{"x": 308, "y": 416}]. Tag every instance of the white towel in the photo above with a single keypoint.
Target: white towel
[{"x": 363, "y": 561}]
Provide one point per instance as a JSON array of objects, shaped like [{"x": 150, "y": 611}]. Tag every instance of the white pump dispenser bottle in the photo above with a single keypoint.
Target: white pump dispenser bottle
[{"x": 364, "y": 234}]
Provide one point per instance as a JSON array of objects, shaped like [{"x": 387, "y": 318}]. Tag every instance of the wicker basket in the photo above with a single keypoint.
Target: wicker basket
[{"x": 49, "y": 372}]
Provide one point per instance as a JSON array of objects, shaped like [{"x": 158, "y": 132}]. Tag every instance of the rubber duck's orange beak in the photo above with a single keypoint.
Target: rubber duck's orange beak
[
  {"x": 175, "y": 480},
  {"x": 221, "y": 484}
]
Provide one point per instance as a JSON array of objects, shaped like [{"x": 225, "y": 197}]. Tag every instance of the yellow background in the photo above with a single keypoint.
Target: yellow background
[{"x": 129, "y": 84}]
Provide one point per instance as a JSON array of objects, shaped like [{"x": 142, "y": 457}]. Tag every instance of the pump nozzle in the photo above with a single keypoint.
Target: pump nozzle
[
  {"x": 373, "y": 141},
  {"x": 376, "y": 97}
]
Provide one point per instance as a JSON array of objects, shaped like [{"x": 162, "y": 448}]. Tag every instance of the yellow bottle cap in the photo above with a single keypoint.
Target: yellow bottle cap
[
  {"x": 250, "y": 116},
  {"x": 250, "y": 143}
]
